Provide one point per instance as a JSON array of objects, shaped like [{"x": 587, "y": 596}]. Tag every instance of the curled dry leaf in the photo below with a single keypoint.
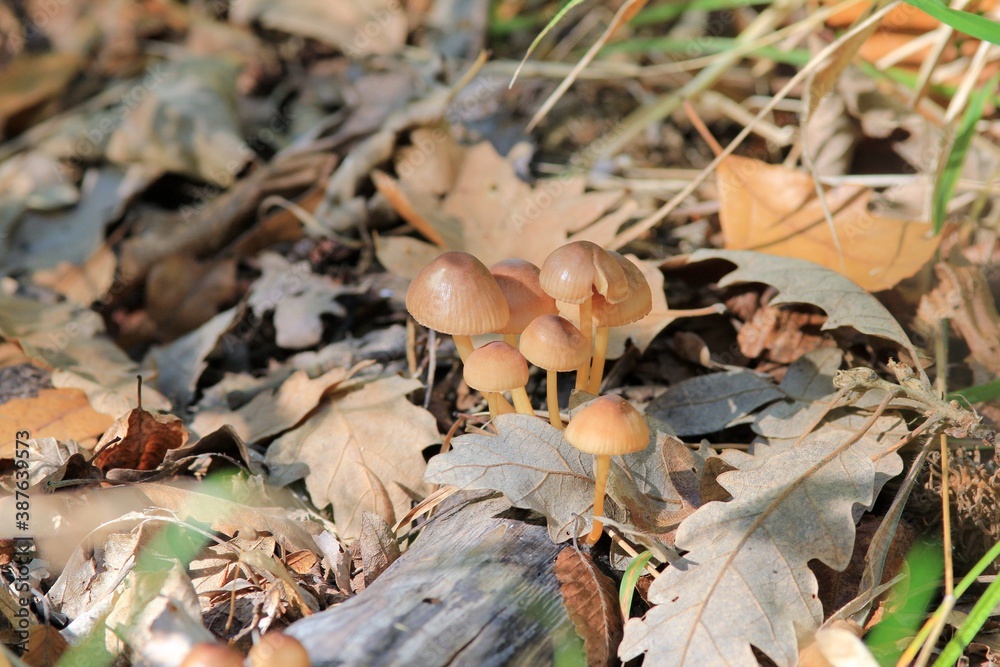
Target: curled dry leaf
[
  {"x": 591, "y": 600},
  {"x": 378, "y": 546},
  {"x": 143, "y": 441},
  {"x": 775, "y": 210}
]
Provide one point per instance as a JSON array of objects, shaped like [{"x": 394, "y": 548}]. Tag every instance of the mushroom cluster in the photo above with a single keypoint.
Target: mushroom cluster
[{"x": 457, "y": 295}]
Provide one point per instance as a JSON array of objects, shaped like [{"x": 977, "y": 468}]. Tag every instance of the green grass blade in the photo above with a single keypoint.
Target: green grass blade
[
  {"x": 974, "y": 622},
  {"x": 548, "y": 27},
  {"x": 944, "y": 189},
  {"x": 973, "y": 25},
  {"x": 978, "y": 394},
  {"x": 627, "y": 588}
]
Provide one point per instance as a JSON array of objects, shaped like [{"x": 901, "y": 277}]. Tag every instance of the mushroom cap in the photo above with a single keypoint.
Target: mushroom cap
[
  {"x": 208, "y": 654},
  {"x": 573, "y": 272},
  {"x": 277, "y": 648},
  {"x": 518, "y": 280},
  {"x": 456, "y": 294},
  {"x": 495, "y": 366},
  {"x": 554, "y": 343},
  {"x": 636, "y": 305},
  {"x": 609, "y": 426}
]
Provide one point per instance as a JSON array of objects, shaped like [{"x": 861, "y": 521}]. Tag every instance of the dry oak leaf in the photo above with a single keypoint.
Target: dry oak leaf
[
  {"x": 143, "y": 441},
  {"x": 775, "y": 210},
  {"x": 489, "y": 211},
  {"x": 62, "y": 414},
  {"x": 745, "y": 580},
  {"x": 269, "y": 413},
  {"x": 591, "y": 600},
  {"x": 363, "y": 449}
]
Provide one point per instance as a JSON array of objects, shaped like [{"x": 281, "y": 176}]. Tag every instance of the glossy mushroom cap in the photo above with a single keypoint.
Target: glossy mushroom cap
[
  {"x": 554, "y": 343},
  {"x": 496, "y": 367},
  {"x": 634, "y": 307},
  {"x": 456, "y": 294},
  {"x": 609, "y": 426},
  {"x": 212, "y": 655},
  {"x": 518, "y": 280},
  {"x": 573, "y": 272},
  {"x": 278, "y": 649}
]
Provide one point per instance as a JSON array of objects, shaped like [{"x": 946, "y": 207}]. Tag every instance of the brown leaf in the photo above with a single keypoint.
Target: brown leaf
[
  {"x": 591, "y": 600},
  {"x": 378, "y": 546},
  {"x": 774, "y": 209},
  {"x": 45, "y": 646},
  {"x": 31, "y": 80},
  {"x": 62, "y": 414},
  {"x": 183, "y": 293},
  {"x": 145, "y": 440},
  {"x": 488, "y": 210}
]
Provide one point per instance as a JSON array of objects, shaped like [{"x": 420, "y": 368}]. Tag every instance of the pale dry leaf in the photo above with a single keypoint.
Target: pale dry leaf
[
  {"x": 378, "y": 546},
  {"x": 493, "y": 214},
  {"x": 775, "y": 210},
  {"x": 591, "y": 600},
  {"x": 801, "y": 281},
  {"x": 62, "y": 414},
  {"x": 363, "y": 449},
  {"x": 81, "y": 284},
  {"x": 269, "y": 413},
  {"x": 187, "y": 123},
  {"x": 47, "y": 455},
  {"x": 356, "y": 27},
  {"x": 181, "y": 363},
  {"x": 298, "y": 298},
  {"x": 745, "y": 579},
  {"x": 709, "y": 403}
]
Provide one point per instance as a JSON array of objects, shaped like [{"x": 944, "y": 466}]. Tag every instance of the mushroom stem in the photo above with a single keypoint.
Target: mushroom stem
[
  {"x": 503, "y": 405},
  {"x": 601, "y": 484},
  {"x": 587, "y": 329},
  {"x": 521, "y": 401},
  {"x": 552, "y": 397},
  {"x": 464, "y": 346},
  {"x": 510, "y": 339},
  {"x": 600, "y": 354},
  {"x": 491, "y": 400}
]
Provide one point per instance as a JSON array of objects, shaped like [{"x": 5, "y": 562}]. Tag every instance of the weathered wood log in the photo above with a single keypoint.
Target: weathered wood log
[{"x": 476, "y": 588}]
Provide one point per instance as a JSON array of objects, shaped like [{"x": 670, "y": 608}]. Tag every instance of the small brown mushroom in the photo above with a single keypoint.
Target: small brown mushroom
[
  {"x": 456, "y": 294},
  {"x": 608, "y": 426},
  {"x": 553, "y": 343},
  {"x": 573, "y": 273},
  {"x": 633, "y": 308},
  {"x": 518, "y": 280},
  {"x": 212, "y": 655},
  {"x": 277, "y": 648},
  {"x": 497, "y": 367}
]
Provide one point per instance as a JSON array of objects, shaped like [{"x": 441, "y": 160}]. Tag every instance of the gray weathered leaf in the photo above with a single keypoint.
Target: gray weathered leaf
[
  {"x": 745, "y": 581},
  {"x": 708, "y": 403},
  {"x": 801, "y": 281}
]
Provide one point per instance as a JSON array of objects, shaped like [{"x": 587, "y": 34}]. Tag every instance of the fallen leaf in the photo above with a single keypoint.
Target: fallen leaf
[
  {"x": 298, "y": 296},
  {"x": 489, "y": 211},
  {"x": 81, "y": 284},
  {"x": 709, "y": 403},
  {"x": 62, "y": 414},
  {"x": 801, "y": 281},
  {"x": 591, "y": 600},
  {"x": 45, "y": 647},
  {"x": 31, "y": 80},
  {"x": 363, "y": 449},
  {"x": 181, "y": 363},
  {"x": 744, "y": 580},
  {"x": 183, "y": 293},
  {"x": 143, "y": 441},
  {"x": 357, "y": 28},
  {"x": 774, "y": 209},
  {"x": 378, "y": 546},
  {"x": 269, "y": 413}
]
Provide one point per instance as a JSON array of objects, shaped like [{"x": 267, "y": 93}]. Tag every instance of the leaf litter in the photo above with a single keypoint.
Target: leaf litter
[{"x": 231, "y": 204}]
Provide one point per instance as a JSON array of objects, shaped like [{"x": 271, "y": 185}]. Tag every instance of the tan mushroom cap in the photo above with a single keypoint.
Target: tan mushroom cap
[
  {"x": 636, "y": 305},
  {"x": 518, "y": 280},
  {"x": 212, "y": 655},
  {"x": 609, "y": 426},
  {"x": 554, "y": 343},
  {"x": 456, "y": 294},
  {"x": 573, "y": 272},
  {"x": 497, "y": 367}
]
